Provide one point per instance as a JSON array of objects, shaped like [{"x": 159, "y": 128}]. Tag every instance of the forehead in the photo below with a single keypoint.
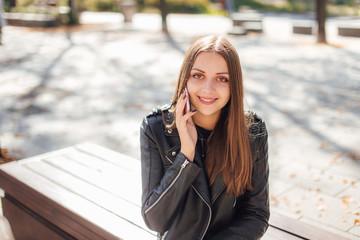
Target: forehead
[{"x": 211, "y": 60}]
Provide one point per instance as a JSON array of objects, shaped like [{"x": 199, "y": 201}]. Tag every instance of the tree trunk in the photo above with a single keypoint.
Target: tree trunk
[
  {"x": 164, "y": 12},
  {"x": 74, "y": 12},
  {"x": 321, "y": 19},
  {"x": 12, "y": 3}
]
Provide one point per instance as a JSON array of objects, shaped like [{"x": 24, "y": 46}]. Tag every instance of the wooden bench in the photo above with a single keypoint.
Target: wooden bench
[
  {"x": 31, "y": 19},
  {"x": 244, "y": 22},
  {"x": 302, "y": 27},
  {"x": 90, "y": 192},
  {"x": 349, "y": 31}
]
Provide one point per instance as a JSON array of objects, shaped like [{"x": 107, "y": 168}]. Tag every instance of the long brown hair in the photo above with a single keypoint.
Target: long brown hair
[{"x": 229, "y": 150}]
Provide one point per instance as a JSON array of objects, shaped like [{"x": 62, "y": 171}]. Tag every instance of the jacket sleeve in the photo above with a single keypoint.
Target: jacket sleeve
[
  {"x": 163, "y": 188},
  {"x": 252, "y": 209}
]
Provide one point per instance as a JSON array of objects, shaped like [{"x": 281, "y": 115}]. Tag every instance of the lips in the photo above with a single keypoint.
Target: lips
[{"x": 207, "y": 101}]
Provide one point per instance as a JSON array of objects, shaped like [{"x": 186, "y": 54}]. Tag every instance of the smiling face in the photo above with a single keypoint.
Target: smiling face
[{"x": 209, "y": 88}]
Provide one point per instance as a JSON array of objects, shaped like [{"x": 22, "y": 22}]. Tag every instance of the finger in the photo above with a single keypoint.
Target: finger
[
  {"x": 180, "y": 99},
  {"x": 188, "y": 116},
  {"x": 181, "y": 105}
]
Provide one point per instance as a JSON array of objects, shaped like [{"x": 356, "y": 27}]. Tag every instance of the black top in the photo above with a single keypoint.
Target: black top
[{"x": 203, "y": 135}]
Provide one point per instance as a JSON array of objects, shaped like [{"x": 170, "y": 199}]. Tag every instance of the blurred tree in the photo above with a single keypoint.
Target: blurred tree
[
  {"x": 10, "y": 3},
  {"x": 164, "y": 12},
  {"x": 321, "y": 19},
  {"x": 74, "y": 12}
]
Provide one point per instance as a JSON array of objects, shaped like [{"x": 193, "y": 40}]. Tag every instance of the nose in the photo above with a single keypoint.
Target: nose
[{"x": 208, "y": 85}]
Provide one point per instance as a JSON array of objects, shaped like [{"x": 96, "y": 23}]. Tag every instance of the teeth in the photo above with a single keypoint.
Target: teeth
[{"x": 207, "y": 100}]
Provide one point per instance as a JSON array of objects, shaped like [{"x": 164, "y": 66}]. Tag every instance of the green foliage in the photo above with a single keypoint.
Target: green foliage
[
  {"x": 181, "y": 6},
  {"x": 106, "y": 5},
  {"x": 258, "y": 4},
  {"x": 24, "y": 3},
  {"x": 98, "y": 5},
  {"x": 289, "y": 6},
  {"x": 301, "y": 5}
]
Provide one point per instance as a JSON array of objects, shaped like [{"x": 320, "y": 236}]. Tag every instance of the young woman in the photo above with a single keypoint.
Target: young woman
[{"x": 205, "y": 169}]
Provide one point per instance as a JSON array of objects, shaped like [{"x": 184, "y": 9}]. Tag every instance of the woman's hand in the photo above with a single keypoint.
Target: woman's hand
[{"x": 186, "y": 127}]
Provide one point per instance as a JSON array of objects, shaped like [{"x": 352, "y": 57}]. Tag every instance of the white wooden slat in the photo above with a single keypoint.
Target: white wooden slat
[
  {"x": 117, "y": 185},
  {"x": 110, "y": 202},
  {"x": 109, "y": 155},
  {"x": 80, "y": 206}
]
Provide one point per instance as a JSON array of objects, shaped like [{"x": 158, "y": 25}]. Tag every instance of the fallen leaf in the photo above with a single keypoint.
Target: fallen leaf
[
  {"x": 345, "y": 197},
  {"x": 357, "y": 222},
  {"x": 356, "y": 212},
  {"x": 18, "y": 135},
  {"x": 274, "y": 201},
  {"x": 345, "y": 207},
  {"x": 337, "y": 155},
  {"x": 335, "y": 158},
  {"x": 292, "y": 175},
  {"x": 322, "y": 207},
  {"x": 345, "y": 201},
  {"x": 324, "y": 144},
  {"x": 303, "y": 197},
  {"x": 352, "y": 156},
  {"x": 316, "y": 178},
  {"x": 344, "y": 181}
]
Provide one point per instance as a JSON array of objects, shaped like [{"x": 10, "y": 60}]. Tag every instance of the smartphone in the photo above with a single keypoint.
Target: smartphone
[{"x": 188, "y": 101}]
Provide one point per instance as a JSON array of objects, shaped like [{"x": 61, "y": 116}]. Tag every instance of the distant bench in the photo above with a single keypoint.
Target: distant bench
[
  {"x": 303, "y": 27},
  {"x": 244, "y": 22},
  {"x": 90, "y": 192},
  {"x": 31, "y": 19},
  {"x": 349, "y": 30}
]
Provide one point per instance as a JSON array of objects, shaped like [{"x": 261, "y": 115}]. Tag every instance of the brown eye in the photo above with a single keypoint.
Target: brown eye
[
  {"x": 197, "y": 76},
  {"x": 223, "y": 79}
]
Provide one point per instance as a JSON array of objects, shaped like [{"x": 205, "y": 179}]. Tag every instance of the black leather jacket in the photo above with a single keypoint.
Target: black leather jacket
[{"x": 177, "y": 201}]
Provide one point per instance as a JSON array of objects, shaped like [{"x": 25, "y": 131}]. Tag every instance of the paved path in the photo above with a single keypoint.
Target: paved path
[{"x": 94, "y": 83}]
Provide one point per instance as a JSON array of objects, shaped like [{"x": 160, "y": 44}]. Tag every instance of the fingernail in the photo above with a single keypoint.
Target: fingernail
[
  {"x": 184, "y": 96},
  {"x": 194, "y": 110}
]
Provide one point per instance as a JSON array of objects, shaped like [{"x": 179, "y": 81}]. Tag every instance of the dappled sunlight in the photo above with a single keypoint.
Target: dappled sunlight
[{"x": 59, "y": 88}]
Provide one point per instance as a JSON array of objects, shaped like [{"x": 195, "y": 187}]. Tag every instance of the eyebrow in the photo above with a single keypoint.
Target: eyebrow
[{"x": 197, "y": 69}]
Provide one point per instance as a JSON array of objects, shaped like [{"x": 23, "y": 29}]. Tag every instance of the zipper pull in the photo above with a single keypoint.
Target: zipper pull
[
  {"x": 202, "y": 149},
  {"x": 185, "y": 163}
]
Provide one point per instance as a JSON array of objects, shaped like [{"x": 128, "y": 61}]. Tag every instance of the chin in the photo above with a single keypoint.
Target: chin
[{"x": 207, "y": 112}]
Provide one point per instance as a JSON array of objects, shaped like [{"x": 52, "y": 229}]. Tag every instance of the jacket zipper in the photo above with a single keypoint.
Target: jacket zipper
[
  {"x": 186, "y": 162},
  {"x": 208, "y": 224},
  {"x": 203, "y": 158},
  {"x": 164, "y": 236},
  {"x": 202, "y": 149}
]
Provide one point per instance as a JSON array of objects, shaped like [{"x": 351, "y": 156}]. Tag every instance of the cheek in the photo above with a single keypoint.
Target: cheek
[
  {"x": 225, "y": 92},
  {"x": 191, "y": 86}
]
